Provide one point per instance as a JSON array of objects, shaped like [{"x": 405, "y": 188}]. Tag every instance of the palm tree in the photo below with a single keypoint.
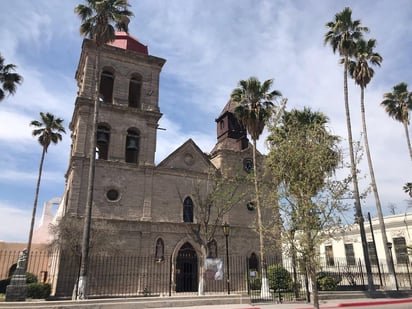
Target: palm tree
[
  {"x": 254, "y": 106},
  {"x": 8, "y": 79},
  {"x": 342, "y": 37},
  {"x": 407, "y": 188},
  {"x": 48, "y": 130},
  {"x": 98, "y": 17},
  {"x": 397, "y": 104},
  {"x": 362, "y": 73}
]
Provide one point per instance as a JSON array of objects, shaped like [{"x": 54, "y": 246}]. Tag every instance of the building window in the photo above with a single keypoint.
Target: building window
[
  {"x": 253, "y": 262},
  {"x": 135, "y": 86},
  {"x": 373, "y": 257},
  {"x": 248, "y": 165},
  {"x": 113, "y": 195},
  {"x": 102, "y": 142},
  {"x": 401, "y": 250},
  {"x": 212, "y": 249},
  {"x": 330, "y": 261},
  {"x": 106, "y": 87},
  {"x": 350, "y": 254},
  {"x": 132, "y": 146},
  {"x": 251, "y": 206},
  {"x": 188, "y": 210},
  {"x": 159, "y": 251}
]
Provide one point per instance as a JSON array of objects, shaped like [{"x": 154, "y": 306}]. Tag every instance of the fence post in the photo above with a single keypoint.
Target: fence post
[{"x": 361, "y": 272}]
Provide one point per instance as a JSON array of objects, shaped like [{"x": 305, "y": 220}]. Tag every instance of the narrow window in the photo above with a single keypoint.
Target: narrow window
[
  {"x": 103, "y": 139},
  {"x": 253, "y": 262},
  {"x": 159, "y": 251},
  {"x": 401, "y": 251},
  {"x": 212, "y": 249},
  {"x": 106, "y": 87},
  {"x": 132, "y": 146},
  {"x": 329, "y": 256},
  {"x": 350, "y": 254},
  {"x": 373, "y": 257},
  {"x": 135, "y": 86},
  {"x": 188, "y": 210}
]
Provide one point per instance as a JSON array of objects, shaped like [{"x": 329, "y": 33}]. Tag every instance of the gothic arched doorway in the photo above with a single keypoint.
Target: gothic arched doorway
[{"x": 186, "y": 269}]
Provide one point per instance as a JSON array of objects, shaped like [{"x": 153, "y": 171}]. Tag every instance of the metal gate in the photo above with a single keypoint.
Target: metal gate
[{"x": 186, "y": 269}]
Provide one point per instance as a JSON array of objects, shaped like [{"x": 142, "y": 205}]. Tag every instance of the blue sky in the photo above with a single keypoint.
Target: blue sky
[{"x": 209, "y": 46}]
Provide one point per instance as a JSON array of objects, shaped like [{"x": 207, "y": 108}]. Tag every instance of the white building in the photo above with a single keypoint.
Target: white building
[{"x": 346, "y": 247}]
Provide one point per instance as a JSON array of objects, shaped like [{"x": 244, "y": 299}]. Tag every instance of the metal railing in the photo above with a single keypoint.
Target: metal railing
[{"x": 133, "y": 276}]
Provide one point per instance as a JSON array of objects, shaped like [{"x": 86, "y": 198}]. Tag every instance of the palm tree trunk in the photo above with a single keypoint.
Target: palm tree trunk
[
  {"x": 82, "y": 282},
  {"x": 408, "y": 140},
  {"x": 358, "y": 209},
  {"x": 265, "y": 286},
  {"x": 33, "y": 216},
  {"x": 376, "y": 194}
]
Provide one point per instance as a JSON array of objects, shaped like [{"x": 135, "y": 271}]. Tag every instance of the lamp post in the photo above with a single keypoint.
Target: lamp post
[
  {"x": 226, "y": 231},
  {"x": 389, "y": 244}
]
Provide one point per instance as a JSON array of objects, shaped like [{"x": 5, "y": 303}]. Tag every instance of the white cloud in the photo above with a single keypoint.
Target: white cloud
[{"x": 15, "y": 223}]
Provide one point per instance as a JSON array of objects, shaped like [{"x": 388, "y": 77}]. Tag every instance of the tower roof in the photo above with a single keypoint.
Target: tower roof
[
  {"x": 126, "y": 41},
  {"x": 229, "y": 107}
]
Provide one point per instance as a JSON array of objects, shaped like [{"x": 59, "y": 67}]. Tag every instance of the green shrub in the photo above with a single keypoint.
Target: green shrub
[
  {"x": 38, "y": 290},
  {"x": 255, "y": 283},
  {"x": 31, "y": 278},
  {"x": 279, "y": 278},
  {"x": 327, "y": 283}
]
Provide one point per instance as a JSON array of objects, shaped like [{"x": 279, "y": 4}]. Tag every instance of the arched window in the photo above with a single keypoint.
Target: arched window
[
  {"x": 132, "y": 146},
  {"x": 212, "y": 249},
  {"x": 253, "y": 262},
  {"x": 103, "y": 139},
  {"x": 106, "y": 87},
  {"x": 159, "y": 251},
  {"x": 188, "y": 210},
  {"x": 135, "y": 86}
]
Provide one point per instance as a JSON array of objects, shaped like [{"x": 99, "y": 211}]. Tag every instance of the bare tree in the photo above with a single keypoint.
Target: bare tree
[{"x": 213, "y": 197}]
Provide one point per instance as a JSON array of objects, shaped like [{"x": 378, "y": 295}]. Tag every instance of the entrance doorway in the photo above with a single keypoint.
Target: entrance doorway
[{"x": 186, "y": 269}]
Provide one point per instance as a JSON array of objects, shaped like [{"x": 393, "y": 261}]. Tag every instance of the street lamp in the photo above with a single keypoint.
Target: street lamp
[
  {"x": 389, "y": 244},
  {"x": 226, "y": 231}
]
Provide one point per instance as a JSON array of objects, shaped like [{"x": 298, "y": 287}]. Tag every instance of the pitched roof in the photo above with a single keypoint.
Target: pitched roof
[{"x": 126, "y": 41}]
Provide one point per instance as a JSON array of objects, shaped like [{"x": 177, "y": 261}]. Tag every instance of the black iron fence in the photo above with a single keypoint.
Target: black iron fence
[{"x": 132, "y": 276}]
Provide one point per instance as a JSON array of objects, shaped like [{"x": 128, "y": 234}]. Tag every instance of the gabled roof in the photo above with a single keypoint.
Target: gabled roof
[
  {"x": 188, "y": 157},
  {"x": 126, "y": 41}
]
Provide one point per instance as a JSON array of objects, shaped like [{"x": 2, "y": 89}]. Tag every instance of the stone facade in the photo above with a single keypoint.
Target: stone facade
[{"x": 146, "y": 202}]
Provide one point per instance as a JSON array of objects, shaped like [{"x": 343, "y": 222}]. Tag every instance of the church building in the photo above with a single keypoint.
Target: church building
[{"x": 151, "y": 205}]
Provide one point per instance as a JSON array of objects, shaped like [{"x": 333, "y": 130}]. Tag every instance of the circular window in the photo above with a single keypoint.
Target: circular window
[
  {"x": 189, "y": 159},
  {"x": 113, "y": 195},
  {"x": 251, "y": 206}
]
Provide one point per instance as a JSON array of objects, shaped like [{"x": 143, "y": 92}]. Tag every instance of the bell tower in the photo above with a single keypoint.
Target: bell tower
[
  {"x": 232, "y": 142},
  {"x": 128, "y": 116}
]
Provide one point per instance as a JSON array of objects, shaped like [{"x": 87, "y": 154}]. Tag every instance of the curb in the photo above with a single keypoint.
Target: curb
[
  {"x": 364, "y": 303},
  {"x": 379, "y": 302}
]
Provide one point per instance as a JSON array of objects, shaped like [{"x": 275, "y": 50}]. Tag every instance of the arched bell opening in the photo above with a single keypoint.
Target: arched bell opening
[{"x": 132, "y": 146}]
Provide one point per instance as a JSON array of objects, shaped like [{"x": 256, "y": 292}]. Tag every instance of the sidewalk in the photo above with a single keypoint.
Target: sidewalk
[
  {"x": 324, "y": 304},
  {"x": 196, "y": 303}
]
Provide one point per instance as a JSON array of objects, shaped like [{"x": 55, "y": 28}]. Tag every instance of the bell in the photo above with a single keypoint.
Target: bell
[
  {"x": 131, "y": 144},
  {"x": 101, "y": 138}
]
